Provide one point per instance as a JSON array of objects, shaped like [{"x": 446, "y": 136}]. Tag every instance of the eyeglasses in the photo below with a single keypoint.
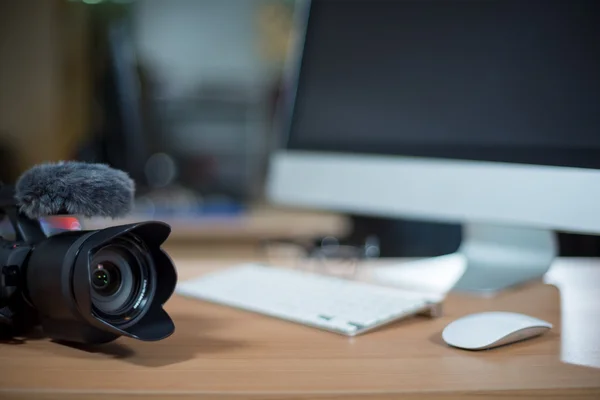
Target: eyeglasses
[{"x": 326, "y": 255}]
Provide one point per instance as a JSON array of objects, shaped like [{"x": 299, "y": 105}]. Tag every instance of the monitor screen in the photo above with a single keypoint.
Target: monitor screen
[{"x": 496, "y": 80}]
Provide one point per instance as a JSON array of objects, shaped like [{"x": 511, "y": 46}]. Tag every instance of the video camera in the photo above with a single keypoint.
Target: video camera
[{"x": 85, "y": 287}]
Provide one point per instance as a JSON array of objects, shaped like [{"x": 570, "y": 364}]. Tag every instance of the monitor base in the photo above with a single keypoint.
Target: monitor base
[{"x": 498, "y": 257}]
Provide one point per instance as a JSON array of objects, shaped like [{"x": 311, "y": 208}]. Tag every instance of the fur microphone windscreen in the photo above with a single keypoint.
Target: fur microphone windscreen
[{"x": 74, "y": 188}]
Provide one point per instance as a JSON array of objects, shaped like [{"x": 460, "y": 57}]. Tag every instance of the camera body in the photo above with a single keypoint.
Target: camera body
[{"x": 85, "y": 287}]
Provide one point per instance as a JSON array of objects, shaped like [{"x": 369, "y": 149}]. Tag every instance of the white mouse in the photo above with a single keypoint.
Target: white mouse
[{"x": 487, "y": 330}]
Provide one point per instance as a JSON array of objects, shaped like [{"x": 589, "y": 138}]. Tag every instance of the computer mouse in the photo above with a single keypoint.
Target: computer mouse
[{"x": 487, "y": 330}]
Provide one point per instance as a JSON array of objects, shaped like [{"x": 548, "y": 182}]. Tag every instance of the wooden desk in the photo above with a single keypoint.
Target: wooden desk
[{"x": 223, "y": 353}]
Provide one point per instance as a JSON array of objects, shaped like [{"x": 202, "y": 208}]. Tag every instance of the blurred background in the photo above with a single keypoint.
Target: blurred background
[
  {"x": 181, "y": 94},
  {"x": 178, "y": 93}
]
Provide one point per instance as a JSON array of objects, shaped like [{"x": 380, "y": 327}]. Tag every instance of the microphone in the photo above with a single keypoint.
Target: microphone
[{"x": 74, "y": 188}]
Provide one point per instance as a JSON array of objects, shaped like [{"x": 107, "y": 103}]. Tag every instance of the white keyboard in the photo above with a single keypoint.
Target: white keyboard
[{"x": 329, "y": 303}]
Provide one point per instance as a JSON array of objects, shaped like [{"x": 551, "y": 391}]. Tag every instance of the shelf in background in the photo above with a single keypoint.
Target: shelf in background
[{"x": 258, "y": 223}]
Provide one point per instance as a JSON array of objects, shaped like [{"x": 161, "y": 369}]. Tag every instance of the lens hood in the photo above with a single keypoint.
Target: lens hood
[{"x": 59, "y": 284}]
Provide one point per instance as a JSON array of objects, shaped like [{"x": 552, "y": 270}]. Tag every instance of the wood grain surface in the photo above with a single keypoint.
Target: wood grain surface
[{"x": 217, "y": 352}]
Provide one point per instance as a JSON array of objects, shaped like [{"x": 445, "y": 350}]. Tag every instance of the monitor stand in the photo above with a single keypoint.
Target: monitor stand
[
  {"x": 489, "y": 260},
  {"x": 499, "y": 257}
]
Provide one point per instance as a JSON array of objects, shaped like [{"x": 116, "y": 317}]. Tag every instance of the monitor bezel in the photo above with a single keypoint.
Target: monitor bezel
[{"x": 425, "y": 188}]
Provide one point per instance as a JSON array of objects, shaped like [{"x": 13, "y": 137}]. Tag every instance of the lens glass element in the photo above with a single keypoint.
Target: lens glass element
[
  {"x": 106, "y": 279},
  {"x": 120, "y": 277}
]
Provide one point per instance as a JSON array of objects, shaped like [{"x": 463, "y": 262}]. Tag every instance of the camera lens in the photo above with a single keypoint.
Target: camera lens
[
  {"x": 106, "y": 279},
  {"x": 119, "y": 280},
  {"x": 91, "y": 287}
]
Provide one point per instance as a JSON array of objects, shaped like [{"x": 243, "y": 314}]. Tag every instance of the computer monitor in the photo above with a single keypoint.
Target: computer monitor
[{"x": 484, "y": 113}]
